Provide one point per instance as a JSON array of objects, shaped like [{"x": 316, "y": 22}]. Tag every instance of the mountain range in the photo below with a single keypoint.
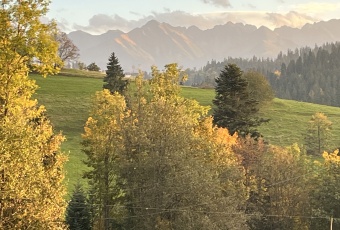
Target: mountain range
[{"x": 158, "y": 43}]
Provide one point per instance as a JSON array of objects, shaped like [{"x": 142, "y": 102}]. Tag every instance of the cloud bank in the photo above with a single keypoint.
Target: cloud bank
[{"x": 101, "y": 23}]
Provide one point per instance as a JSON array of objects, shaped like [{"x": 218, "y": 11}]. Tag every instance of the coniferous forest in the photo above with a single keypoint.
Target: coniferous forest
[{"x": 305, "y": 74}]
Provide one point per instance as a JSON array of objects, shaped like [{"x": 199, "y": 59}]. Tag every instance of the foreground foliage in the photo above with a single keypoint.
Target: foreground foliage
[
  {"x": 160, "y": 175},
  {"x": 31, "y": 165}
]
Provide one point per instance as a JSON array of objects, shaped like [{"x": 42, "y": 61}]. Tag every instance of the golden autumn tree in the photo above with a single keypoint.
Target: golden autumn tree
[
  {"x": 31, "y": 165},
  {"x": 166, "y": 180},
  {"x": 103, "y": 142},
  {"x": 326, "y": 202},
  {"x": 318, "y": 134}
]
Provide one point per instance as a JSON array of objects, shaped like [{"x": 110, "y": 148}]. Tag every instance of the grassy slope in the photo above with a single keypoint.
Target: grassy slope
[
  {"x": 288, "y": 118},
  {"x": 67, "y": 100}
]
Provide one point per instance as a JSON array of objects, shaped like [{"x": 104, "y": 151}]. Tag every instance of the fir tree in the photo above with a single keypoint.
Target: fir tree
[
  {"x": 78, "y": 212},
  {"x": 235, "y": 110},
  {"x": 113, "y": 81}
]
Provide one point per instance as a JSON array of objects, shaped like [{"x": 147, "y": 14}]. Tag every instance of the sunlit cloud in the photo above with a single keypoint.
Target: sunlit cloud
[
  {"x": 101, "y": 23},
  {"x": 291, "y": 19},
  {"x": 316, "y": 9}
]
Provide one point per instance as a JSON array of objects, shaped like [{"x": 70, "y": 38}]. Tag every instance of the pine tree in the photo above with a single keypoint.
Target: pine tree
[
  {"x": 235, "y": 110},
  {"x": 113, "y": 81},
  {"x": 78, "y": 212}
]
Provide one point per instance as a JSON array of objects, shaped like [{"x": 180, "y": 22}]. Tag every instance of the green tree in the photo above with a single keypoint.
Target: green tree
[
  {"x": 318, "y": 134},
  {"x": 81, "y": 65},
  {"x": 326, "y": 200},
  {"x": 259, "y": 88},
  {"x": 234, "y": 108},
  {"x": 31, "y": 165},
  {"x": 78, "y": 210},
  {"x": 93, "y": 67},
  {"x": 102, "y": 146},
  {"x": 113, "y": 81}
]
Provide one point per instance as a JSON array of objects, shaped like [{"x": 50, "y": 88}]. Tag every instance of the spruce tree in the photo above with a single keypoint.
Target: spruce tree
[
  {"x": 78, "y": 212},
  {"x": 113, "y": 81},
  {"x": 234, "y": 109}
]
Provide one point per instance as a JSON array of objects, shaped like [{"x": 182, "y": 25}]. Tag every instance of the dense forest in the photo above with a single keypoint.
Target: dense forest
[{"x": 305, "y": 74}]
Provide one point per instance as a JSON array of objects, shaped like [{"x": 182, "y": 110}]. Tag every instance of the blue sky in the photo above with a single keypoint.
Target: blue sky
[{"x": 97, "y": 17}]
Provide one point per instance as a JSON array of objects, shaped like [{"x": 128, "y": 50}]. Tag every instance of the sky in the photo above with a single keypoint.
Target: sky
[{"x": 99, "y": 16}]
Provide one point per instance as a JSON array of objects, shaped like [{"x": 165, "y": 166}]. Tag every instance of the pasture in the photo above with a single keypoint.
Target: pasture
[{"x": 68, "y": 100}]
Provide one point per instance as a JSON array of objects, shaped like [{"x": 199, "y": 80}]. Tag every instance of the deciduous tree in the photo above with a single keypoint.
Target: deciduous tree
[
  {"x": 31, "y": 165},
  {"x": 93, "y": 67},
  {"x": 67, "y": 50},
  {"x": 103, "y": 144},
  {"x": 326, "y": 201},
  {"x": 168, "y": 180},
  {"x": 318, "y": 134},
  {"x": 175, "y": 182},
  {"x": 259, "y": 88}
]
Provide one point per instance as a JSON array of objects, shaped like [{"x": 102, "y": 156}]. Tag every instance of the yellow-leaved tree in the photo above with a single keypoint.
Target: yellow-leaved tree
[
  {"x": 168, "y": 176},
  {"x": 326, "y": 194},
  {"x": 31, "y": 165}
]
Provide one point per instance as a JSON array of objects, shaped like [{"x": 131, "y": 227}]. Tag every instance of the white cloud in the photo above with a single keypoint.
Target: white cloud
[
  {"x": 101, "y": 23},
  {"x": 317, "y": 9},
  {"x": 291, "y": 19},
  {"x": 220, "y": 3}
]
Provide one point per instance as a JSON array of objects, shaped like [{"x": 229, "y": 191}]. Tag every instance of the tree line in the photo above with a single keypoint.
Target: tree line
[{"x": 305, "y": 74}]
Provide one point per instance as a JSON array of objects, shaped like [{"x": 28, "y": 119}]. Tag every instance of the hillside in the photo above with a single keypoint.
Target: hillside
[
  {"x": 161, "y": 43},
  {"x": 67, "y": 100}
]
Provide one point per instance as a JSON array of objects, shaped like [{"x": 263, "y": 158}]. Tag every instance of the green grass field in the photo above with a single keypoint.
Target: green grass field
[{"x": 68, "y": 99}]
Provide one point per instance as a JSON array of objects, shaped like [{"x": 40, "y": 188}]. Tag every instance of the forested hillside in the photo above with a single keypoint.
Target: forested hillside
[{"x": 305, "y": 74}]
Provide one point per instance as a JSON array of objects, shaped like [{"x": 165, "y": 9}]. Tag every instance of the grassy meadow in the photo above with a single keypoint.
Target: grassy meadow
[{"x": 68, "y": 99}]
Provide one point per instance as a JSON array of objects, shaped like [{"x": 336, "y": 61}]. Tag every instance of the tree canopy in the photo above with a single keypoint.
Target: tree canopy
[
  {"x": 93, "y": 67},
  {"x": 165, "y": 174},
  {"x": 31, "y": 164}
]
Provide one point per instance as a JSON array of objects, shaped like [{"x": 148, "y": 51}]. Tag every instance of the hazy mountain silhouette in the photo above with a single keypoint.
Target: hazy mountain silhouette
[{"x": 160, "y": 43}]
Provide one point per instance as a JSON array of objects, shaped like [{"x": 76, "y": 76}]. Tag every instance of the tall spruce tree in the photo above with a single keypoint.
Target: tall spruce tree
[
  {"x": 113, "y": 81},
  {"x": 235, "y": 110}
]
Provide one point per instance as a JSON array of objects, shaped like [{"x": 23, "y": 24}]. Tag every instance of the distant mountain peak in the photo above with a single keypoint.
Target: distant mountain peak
[{"x": 158, "y": 43}]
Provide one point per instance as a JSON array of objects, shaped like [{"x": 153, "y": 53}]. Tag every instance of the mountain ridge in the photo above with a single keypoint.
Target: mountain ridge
[{"x": 157, "y": 43}]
